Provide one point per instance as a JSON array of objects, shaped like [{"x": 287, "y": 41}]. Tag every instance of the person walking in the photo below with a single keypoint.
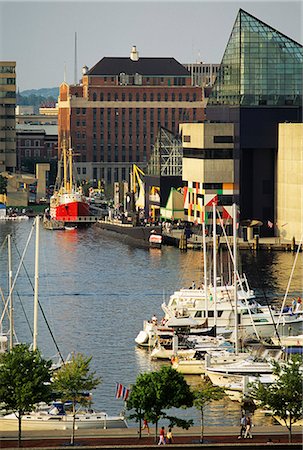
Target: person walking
[
  {"x": 243, "y": 426},
  {"x": 169, "y": 436},
  {"x": 162, "y": 437},
  {"x": 248, "y": 428},
  {"x": 145, "y": 426}
]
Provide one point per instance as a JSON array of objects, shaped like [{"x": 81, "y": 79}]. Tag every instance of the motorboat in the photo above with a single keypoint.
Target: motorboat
[
  {"x": 196, "y": 364},
  {"x": 55, "y": 417},
  {"x": 253, "y": 318}
]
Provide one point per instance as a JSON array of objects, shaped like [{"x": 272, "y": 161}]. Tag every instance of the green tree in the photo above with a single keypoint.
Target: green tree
[
  {"x": 24, "y": 381},
  {"x": 3, "y": 185},
  {"x": 284, "y": 396},
  {"x": 72, "y": 380},
  {"x": 155, "y": 392},
  {"x": 203, "y": 395}
]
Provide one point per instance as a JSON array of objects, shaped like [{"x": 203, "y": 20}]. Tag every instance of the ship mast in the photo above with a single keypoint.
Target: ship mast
[
  {"x": 64, "y": 167},
  {"x": 70, "y": 163}
]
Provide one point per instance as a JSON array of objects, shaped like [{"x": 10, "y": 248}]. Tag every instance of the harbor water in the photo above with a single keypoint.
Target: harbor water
[{"x": 96, "y": 290}]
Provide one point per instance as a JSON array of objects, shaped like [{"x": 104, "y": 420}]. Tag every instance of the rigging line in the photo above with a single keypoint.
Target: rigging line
[
  {"x": 237, "y": 273},
  {"x": 264, "y": 293},
  {"x": 41, "y": 309},
  {"x": 290, "y": 278},
  {"x": 25, "y": 315},
  {"x": 16, "y": 275}
]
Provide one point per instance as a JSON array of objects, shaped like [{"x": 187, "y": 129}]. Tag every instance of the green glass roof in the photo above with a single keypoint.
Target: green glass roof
[{"x": 260, "y": 66}]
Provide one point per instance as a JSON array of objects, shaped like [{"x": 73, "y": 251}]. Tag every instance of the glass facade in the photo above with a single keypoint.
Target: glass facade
[{"x": 260, "y": 66}]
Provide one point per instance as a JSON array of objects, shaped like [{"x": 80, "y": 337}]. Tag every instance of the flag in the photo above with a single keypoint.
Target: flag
[
  {"x": 125, "y": 393},
  {"x": 119, "y": 389},
  {"x": 121, "y": 392},
  {"x": 270, "y": 224},
  {"x": 284, "y": 224}
]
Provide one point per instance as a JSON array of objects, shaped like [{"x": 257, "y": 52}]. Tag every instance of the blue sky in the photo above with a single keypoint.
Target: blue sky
[{"x": 39, "y": 35}]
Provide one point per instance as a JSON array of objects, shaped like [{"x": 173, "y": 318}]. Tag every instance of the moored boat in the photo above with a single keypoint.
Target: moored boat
[
  {"x": 68, "y": 203},
  {"x": 54, "y": 417}
]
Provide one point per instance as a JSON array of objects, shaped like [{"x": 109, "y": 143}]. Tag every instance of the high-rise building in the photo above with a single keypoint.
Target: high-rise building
[
  {"x": 114, "y": 114},
  {"x": 259, "y": 85},
  {"x": 7, "y": 116}
]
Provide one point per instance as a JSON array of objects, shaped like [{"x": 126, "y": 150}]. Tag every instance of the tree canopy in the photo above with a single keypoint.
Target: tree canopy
[
  {"x": 73, "y": 380},
  {"x": 156, "y": 392},
  {"x": 203, "y": 395},
  {"x": 284, "y": 396},
  {"x": 24, "y": 380}
]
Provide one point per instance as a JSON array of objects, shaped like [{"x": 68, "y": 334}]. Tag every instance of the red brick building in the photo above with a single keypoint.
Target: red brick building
[{"x": 114, "y": 114}]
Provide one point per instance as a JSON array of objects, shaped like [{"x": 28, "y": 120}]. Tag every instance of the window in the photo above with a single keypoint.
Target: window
[
  {"x": 159, "y": 97},
  {"x": 94, "y": 97},
  {"x": 27, "y": 143},
  {"x": 151, "y": 97},
  {"x": 101, "y": 97},
  {"x": 137, "y": 97},
  {"x": 223, "y": 139},
  {"x": 84, "y": 170},
  {"x": 37, "y": 143},
  {"x": 186, "y": 138},
  {"x": 108, "y": 97},
  {"x": 130, "y": 97},
  {"x": 180, "y": 97}
]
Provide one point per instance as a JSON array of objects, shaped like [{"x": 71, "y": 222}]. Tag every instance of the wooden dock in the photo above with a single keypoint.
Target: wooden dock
[{"x": 177, "y": 238}]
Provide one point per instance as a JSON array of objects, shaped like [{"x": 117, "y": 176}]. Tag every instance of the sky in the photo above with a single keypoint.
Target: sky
[{"x": 40, "y": 35}]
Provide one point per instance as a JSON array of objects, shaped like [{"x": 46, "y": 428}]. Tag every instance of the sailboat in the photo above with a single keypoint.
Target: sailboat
[{"x": 68, "y": 203}]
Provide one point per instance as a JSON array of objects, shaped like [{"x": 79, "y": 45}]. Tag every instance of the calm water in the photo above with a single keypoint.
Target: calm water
[{"x": 96, "y": 291}]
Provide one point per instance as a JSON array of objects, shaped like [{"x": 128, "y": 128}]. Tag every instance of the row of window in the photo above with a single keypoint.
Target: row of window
[
  {"x": 6, "y": 81},
  {"x": 218, "y": 153},
  {"x": 144, "y": 97}
]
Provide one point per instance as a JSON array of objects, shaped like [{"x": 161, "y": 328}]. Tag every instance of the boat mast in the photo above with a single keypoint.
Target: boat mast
[
  {"x": 64, "y": 167},
  {"x": 214, "y": 264},
  {"x": 35, "y": 333},
  {"x": 235, "y": 274},
  {"x": 10, "y": 283},
  {"x": 70, "y": 162},
  {"x": 205, "y": 271}
]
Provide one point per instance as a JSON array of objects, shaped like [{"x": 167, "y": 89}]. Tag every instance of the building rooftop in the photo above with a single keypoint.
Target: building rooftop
[{"x": 143, "y": 66}]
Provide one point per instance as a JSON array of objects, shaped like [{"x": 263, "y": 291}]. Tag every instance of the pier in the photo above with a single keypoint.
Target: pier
[{"x": 177, "y": 238}]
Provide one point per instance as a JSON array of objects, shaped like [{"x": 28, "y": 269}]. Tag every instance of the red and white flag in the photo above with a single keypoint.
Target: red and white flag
[
  {"x": 119, "y": 390},
  {"x": 270, "y": 224}
]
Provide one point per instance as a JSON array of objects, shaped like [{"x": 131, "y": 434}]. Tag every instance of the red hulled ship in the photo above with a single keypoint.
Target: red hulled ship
[{"x": 68, "y": 203}]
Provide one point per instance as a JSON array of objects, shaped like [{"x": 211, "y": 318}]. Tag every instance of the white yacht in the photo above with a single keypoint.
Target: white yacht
[
  {"x": 54, "y": 417},
  {"x": 253, "y": 318}
]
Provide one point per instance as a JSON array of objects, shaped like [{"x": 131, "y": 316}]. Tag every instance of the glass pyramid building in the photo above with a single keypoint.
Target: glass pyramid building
[{"x": 260, "y": 67}]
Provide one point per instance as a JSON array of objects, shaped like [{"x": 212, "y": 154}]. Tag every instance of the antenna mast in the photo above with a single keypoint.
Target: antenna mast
[{"x": 76, "y": 62}]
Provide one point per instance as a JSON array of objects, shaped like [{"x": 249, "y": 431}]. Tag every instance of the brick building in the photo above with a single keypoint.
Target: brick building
[{"x": 114, "y": 114}]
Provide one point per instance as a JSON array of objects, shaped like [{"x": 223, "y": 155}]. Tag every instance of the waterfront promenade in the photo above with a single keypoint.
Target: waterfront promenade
[{"x": 214, "y": 438}]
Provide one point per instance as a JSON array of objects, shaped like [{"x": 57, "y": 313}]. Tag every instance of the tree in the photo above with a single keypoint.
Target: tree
[
  {"x": 155, "y": 392},
  {"x": 204, "y": 395},
  {"x": 24, "y": 381},
  {"x": 284, "y": 396},
  {"x": 72, "y": 380}
]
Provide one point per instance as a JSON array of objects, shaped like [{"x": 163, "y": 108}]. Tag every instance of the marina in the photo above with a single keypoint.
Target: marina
[{"x": 92, "y": 284}]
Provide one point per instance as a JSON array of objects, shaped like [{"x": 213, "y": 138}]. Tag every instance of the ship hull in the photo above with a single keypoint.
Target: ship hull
[{"x": 69, "y": 212}]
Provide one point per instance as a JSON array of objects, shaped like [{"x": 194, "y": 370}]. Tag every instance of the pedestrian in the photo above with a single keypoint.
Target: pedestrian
[
  {"x": 243, "y": 426},
  {"x": 169, "y": 436},
  {"x": 145, "y": 426},
  {"x": 162, "y": 436},
  {"x": 248, "y": 428}
]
